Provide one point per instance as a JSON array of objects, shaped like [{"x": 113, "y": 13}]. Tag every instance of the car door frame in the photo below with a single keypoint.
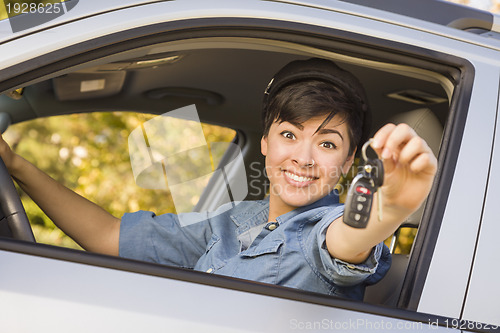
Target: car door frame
[{"x": 413, "y": 55}]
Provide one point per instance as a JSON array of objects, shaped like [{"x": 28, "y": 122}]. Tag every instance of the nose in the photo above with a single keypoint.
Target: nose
[{"x": 303, "y": 157}]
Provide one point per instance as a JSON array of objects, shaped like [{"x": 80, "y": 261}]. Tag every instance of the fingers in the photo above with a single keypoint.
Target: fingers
[
  {"x": 381, "y": 136},
  {"x": 3, "y": 145},
  {"x": 5, "y": 152},
  {"x": 391, "y": 139},
  {"x": 425, "y": 162},
  {"x": 400, "y": 144}
]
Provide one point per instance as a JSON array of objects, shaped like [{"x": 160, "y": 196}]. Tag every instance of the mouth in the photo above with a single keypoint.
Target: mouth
[{"x": 301, "y": 179}]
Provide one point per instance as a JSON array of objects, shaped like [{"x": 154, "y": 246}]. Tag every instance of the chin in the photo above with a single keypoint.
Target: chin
[
  {"x": 299, "y": 196},
  {"x": 298, "y": 201}
]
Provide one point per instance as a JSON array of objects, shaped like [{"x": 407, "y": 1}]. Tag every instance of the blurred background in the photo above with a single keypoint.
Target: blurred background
[{"x": 491, "y": 5}]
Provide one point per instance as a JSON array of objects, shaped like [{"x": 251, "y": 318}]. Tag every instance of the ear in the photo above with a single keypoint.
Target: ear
[
  {"x": 348, "y": 162},
  {"x": 263, "y": 145}
]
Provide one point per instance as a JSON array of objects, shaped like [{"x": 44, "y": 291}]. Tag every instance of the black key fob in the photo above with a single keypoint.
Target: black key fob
[
  {"x": 358, "y": 204},
  {"x": 359, "y": 201}
]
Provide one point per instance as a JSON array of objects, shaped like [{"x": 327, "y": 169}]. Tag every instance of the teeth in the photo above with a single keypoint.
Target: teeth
[{"x": 298, "y": 178}]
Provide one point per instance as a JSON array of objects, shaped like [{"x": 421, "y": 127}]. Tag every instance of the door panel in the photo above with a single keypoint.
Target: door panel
[
  {"x": 483, "y": 296},
  {"x": 47, "y": 295}
]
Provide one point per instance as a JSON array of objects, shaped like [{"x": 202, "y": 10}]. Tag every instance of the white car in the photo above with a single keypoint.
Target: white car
[{"x": 432, "y": 64}]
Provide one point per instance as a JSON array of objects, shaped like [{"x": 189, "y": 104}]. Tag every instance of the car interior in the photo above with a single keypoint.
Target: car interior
[{"x": 225, "y": 78}]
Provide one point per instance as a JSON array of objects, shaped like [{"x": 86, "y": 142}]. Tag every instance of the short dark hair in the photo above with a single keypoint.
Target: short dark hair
[
  {"x": 304, "y": 89},
  {"x": 298, "y": 102}
]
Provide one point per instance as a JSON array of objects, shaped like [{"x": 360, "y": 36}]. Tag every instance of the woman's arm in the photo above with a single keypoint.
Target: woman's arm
[
  {"x": 409, "y": 167},
  {"x": 88, "y": 224}
]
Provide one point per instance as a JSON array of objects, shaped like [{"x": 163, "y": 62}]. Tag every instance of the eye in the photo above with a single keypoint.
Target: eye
[
  {"x": 288, "y": 135},
  {"x": 328, "y": 145}
]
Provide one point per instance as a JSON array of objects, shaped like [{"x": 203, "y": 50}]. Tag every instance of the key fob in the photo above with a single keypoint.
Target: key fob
[
  {"x": 377, "y": 172},
  {"x": 359, "y": 201}
]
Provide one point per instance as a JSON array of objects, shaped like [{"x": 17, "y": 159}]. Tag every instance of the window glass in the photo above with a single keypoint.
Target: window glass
[{"x": 89, "y": 153}]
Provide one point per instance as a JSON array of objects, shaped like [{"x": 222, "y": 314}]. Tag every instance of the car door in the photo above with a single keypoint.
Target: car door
[
  {"x": 81, "y": 291},
  {"x": 481, "y": 303}
]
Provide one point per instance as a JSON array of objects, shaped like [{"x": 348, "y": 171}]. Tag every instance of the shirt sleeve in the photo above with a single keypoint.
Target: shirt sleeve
[
  {"x": 345, "y": 274},
  {"x": 164, "y": 238}
]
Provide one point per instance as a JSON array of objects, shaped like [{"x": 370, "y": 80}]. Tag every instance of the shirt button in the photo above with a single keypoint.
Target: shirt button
[
  {"x": 271, "y": 226},
  {"x": 210, "y": 270}
]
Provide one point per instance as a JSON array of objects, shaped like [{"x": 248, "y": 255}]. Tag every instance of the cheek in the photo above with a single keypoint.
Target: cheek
[
  {"x": 276, "y": 155},
  {"x": 276, "y": 160},
  {"x": 332, "y": 175},
  {"x": 273, "y": 162},
  {"x": 332, "y": 168}
]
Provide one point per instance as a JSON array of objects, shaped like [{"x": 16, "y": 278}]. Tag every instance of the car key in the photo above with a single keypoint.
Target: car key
[{"x": 359, "y": 200}]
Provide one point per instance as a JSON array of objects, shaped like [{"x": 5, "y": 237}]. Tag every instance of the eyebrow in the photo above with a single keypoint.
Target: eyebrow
[
  {"x": 319, "y": 130},
  {"x": 329, "y": 131}
]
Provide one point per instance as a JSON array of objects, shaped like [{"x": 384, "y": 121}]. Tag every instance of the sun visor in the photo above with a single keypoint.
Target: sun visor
[{"x": 80, "y": 86}]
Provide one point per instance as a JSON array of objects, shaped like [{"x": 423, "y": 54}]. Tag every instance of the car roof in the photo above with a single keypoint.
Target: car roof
[{"x": 444, "y": 13}]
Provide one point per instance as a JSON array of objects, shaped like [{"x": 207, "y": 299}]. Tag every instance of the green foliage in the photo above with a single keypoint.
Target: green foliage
[{"x": 89, "y": 154}]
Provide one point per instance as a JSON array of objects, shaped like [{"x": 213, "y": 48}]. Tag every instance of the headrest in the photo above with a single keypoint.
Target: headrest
[
  {"x": 425, "y": 123},
  {"x": 427, "y": 126}
]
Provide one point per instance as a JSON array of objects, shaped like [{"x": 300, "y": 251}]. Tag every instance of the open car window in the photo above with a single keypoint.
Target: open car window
[{"x": 111, "y": 159}]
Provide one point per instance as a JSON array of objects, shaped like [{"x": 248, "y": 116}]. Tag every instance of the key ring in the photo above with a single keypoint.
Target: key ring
[{"x": 363, "y": 149}]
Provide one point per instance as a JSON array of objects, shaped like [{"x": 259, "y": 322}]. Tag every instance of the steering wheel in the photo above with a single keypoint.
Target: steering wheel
[{"x": 12, "y": 208}]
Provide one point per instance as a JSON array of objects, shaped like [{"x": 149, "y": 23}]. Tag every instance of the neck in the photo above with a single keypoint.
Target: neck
[{"x": 277, "y": 208}]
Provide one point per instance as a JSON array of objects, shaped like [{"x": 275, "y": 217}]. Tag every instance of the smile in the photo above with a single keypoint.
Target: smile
[{"x": 300, "y": 179}]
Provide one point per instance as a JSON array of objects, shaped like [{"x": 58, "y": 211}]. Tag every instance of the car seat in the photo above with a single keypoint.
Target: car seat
[{"x": 387, "y": 291}]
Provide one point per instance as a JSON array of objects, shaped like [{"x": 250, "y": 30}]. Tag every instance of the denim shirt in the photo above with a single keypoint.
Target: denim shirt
[{"x": 237, "y": 241}]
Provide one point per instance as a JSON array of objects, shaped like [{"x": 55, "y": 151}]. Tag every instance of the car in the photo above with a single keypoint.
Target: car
[{"x": 431, "y": 64}]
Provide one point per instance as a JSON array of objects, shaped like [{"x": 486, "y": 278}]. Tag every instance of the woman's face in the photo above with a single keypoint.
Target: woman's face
[{"x": 304, "y": 164}]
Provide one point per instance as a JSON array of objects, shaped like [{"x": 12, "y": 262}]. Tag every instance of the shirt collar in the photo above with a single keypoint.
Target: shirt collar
[
  {"x": 257, "y": 212},
  {"x": 330, "y": 199}
]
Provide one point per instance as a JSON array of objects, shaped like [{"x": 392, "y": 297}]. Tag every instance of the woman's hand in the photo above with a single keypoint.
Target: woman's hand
[
  {"x": 6, "y": 153},
  {"x": 409, "y": 169},
  {"x": 409, "y": 166}
]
